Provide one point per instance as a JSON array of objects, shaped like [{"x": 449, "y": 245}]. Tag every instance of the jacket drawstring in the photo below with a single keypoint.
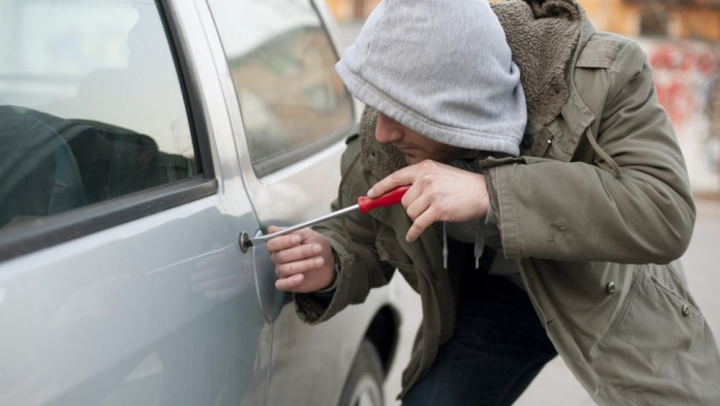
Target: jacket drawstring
[
  {"x": 479, "y": 241},
  {"x": 604, "y": 155},
  {"x": 445, "y": 247}
]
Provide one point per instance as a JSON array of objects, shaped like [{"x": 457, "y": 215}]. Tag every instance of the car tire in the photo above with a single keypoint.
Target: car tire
[{"x": 364, "y": 383}]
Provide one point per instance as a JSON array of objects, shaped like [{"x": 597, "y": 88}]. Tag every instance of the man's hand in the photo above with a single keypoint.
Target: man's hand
[
  {"x": 303, "y": 261},
  {"x": 439, "y": 192}
]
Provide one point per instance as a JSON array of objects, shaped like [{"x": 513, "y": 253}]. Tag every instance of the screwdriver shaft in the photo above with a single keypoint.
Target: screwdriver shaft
[{"x": 264, "y": 238}]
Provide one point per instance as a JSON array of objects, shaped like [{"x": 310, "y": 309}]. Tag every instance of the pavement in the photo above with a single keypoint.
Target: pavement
[{"x": 701, "y": 262}]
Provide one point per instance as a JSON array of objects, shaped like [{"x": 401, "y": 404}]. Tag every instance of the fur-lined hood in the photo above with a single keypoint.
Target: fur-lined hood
[{"x": 543, "y": 37}]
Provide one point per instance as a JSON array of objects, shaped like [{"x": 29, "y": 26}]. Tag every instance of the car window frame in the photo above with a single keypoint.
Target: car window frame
[
  {"x": 49, "y": 231},
  {"x": 298, "y": 154}
]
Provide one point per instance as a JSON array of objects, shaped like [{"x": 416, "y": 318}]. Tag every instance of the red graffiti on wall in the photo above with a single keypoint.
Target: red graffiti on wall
[
  {"x": 683, "y": 75},
  {"x": 674, "y": 56},
  {"x": 677, "y": 100}
]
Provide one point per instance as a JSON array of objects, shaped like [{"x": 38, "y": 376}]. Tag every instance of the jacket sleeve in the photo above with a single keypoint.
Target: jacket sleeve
[
  {"x": 360, "y": 266},
  {"x": 574, "y": 211}
]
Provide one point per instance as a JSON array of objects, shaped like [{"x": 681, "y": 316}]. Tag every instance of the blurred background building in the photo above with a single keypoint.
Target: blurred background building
[{"x": 682, "y": 41}]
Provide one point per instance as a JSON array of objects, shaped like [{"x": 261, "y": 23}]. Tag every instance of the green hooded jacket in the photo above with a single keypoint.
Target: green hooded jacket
[{"x": 596, "y": 211}]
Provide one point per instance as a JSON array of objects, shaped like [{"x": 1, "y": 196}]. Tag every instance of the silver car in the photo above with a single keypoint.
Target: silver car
[{"x": 139, "y": 140}]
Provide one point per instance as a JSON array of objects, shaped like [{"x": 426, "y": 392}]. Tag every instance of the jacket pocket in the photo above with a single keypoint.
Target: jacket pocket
[{"x": 661, "y": 323}]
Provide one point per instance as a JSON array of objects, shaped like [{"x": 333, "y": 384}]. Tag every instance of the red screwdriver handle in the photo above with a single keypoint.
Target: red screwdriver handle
[{"x": 388, "y": 199}]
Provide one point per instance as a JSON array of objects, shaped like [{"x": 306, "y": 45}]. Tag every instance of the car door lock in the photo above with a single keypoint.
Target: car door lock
[{"x": 244, "y": 242}]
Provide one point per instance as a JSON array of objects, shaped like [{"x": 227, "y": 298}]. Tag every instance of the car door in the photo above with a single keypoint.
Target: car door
[
  {"x": 121, "y": 278},
  {"x": 290, "y": 114}
]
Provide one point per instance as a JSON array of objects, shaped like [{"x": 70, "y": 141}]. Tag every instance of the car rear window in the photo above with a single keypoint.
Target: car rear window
[{"x": 282, "y": 65}]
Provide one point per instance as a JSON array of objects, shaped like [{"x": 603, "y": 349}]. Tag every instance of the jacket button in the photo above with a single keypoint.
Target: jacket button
[
  {"x": 439, "y": 275},
  {"x": 685, "y": 310},
  {"x": 610, "y": 288}
]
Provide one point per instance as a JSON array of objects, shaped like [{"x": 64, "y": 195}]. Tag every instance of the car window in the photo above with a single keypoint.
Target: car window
[
  {"x": 282, "y": 65},
  {"x": 91, "y": 106}
]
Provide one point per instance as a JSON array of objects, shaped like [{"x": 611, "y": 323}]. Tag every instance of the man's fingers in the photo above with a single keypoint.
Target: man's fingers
[
  {"x": 284, "y": 242},
  {"x": 292, "y": 268},
  {"x": 402, "y": 177},
  {"x": 288, "y": 284},
  {"x": 417, "y": 207},
  {"x": 419, "y": 225},
  {"x": 412, "y": 194},
  {"x": 296, "y": 253},
  {"x": 306, "y": 233}
]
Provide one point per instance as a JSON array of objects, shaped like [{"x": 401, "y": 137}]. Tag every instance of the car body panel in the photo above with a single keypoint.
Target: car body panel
[
  {"x": 93, "y": 309},
  {"x": 289, "y": 196},
  {"x": 167, "y": 309}
]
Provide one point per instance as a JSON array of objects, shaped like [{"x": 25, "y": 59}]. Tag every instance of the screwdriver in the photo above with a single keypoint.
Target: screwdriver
[{"x": 364, "y": 204}]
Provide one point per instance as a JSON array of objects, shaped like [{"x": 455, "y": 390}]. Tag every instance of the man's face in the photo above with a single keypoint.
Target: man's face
[{"x": 414, "y": 146}]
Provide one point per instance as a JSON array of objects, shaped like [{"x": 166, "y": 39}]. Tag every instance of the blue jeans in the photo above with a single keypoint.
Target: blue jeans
[{"x": 498, "y": 347}]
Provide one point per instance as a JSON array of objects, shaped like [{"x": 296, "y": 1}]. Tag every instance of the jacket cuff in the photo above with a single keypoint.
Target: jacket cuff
[
  {"x": 500, "y": 191},
  {"x": 491, "y": 218},
  {"x": 330, "y": 289},
  {"x": 315, "y": 308}
]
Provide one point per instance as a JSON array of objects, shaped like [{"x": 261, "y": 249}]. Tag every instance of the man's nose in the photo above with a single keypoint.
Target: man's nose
[{"x": 387, "y": 129}]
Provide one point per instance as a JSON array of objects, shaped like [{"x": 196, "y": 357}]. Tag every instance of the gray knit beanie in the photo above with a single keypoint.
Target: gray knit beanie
[{"x": 442, "y": 68}]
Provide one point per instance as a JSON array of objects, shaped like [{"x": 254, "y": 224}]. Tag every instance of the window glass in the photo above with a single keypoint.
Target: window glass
[
  {"x": 91, "y": 106},
  {"x": 283, "y": 68}
]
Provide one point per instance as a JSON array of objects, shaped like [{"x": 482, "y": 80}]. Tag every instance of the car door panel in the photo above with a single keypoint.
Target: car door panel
[
  {"x": 304, "y": 358},
  {"x": 88, "y": 324},
  {"x": 163, "y": 309}
]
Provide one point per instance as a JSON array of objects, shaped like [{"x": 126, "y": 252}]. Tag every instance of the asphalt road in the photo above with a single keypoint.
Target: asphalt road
[{"x": 555, "y": 386}]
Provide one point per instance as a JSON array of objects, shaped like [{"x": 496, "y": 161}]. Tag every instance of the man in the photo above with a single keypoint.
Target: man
[{"x": 564, "y": 244}]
